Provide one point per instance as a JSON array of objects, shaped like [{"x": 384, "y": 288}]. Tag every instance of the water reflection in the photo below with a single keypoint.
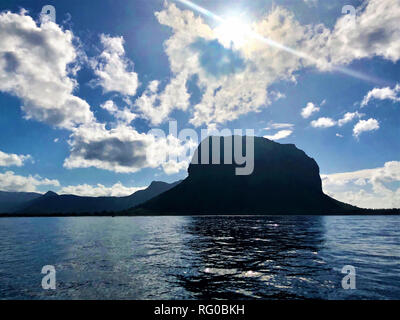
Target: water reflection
[
  {"x": 253, "y": 257},
  {"x": 281, "y": 257}
]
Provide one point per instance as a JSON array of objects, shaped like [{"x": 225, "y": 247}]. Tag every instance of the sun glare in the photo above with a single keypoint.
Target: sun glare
[{"x": 233, "y": 32}]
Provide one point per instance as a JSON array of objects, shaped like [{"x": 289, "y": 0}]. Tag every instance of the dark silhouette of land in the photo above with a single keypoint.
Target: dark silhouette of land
[
  {"x": 53, "y": 204},
  {"x": 12, "y": 201},
  {"x": 285, "y": 181}
]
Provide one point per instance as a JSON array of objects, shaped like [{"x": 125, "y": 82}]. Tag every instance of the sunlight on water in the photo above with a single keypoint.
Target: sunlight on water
[{"x": 278, "y": 257}]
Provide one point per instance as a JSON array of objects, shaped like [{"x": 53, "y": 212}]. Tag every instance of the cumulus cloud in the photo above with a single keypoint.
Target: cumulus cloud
[
  {"x": 329, "y": 122},
  {"x": 365, "y": 125},
  {"x": 125, "y": 116},
  {"x": 9, "y": 181},
  {"x": 123, "y": 149},
  {"x": 233, "y": 80},
  {"x": 35, "y": 65},
  {"x": 276, "y": 95},
  {"x": 323, "y": 123},
  {"x": 171, "y": 167},
  {"x": 156, "y": 107},
  {"x": 114, "y": 71},
  {"x": 236, "y": 81},
  {"x": 99, "y": 190},
  {"x": 370, "y": 188},
  {"x": 386, "y": 93},
  {"x": 11, "y": 159},
  {"x": 279, "y": 135},
  {"x": 374, "y": 32},
  {"x": 308, "y": 110},
  {"x": 348, "y": 117},
  {"x": 37, "y": 59},
  {"x": 120, "y": 149}
]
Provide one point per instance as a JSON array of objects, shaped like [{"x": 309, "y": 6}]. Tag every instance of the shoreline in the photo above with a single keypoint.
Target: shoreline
[{"x": 67, "y": 215}]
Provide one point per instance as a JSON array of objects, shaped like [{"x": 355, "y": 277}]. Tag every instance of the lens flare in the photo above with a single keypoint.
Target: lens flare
[{"x": 235, "y": 32}]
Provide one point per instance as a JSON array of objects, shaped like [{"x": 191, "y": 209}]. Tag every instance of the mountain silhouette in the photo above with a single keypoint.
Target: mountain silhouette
[
  {"x": 284, "y": 181},
  {"x": 12, "y": 201},
  {"x": 52, "y": 203}
]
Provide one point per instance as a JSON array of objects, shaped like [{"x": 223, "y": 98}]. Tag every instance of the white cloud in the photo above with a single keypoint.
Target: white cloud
[
  {"x": 171, "y": 167},
  {"x": 386, "y": 93},
  {"x": 339, "y": 135},
  {"x": 323, "y": 123},
  {"x": 157, "y": 106},
  {"x": 123, "y": 149},
  {"x": 237, "y": 86},
  {"x": 375, "y": 32},
  {"x": 365, "y": 125},
  {"x": 124, "y": 116},
  {"x": 279, "y": 135},
  {"x": 9, "y": 181},
  {"x": 277, "y": 95},
  {"x": 368, "y": 188},
  {"x": 329, "y": 122},
  {"x": 238, "y": 82},
  {"x": 348, "y": 117},
  {"x": 99, "y": 190},
  {"x": 273, "y": 125},
  {"x": 308, "y": 110},
  {"x": 36, "y": 60},
  {"x": 235, "y": 81},
  {"x": 11, "y": 159},
  {"x": 36, "y": 64},
  {"x": 114, "y": 71}
]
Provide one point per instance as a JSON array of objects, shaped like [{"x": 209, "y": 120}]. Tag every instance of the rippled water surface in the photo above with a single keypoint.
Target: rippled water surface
[{"x": 273, "y": 257}]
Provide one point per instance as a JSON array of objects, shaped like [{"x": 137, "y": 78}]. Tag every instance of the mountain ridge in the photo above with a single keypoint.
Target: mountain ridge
[
  {"x": 285, "y": 181},
  {"x": 52, "y": 203},
  {"x": 11, "y": 201}
]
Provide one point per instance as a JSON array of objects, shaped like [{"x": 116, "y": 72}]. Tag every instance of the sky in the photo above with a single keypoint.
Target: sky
[{"x": 80, "y": 96}]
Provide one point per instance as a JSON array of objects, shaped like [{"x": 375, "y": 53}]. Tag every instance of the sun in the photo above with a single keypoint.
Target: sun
[{"x": 233, "y": 31}]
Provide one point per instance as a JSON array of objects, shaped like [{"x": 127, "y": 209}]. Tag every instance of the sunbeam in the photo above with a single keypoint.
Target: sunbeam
[{"x": 270, "y": 42}]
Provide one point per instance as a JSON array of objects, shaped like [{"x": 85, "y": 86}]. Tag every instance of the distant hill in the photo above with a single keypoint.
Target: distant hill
[
  {"x": 12, "y": 201},
  {"x": 52, "y": 203},
  {"x": 285, "y": 181}
]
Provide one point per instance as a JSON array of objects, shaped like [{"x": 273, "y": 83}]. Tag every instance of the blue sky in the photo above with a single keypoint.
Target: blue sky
[{"x": 79, "y": 96}]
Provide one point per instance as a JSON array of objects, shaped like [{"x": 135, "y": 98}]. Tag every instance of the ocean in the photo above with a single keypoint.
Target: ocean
[{"x": 218, "y": 257}]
